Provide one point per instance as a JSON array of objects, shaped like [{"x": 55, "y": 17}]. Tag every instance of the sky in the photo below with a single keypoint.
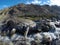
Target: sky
[{"x": 8, "y": 3}]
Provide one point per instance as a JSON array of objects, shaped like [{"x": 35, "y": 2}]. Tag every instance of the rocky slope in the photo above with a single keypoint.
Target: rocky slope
[{"x": 32, "y": 11}]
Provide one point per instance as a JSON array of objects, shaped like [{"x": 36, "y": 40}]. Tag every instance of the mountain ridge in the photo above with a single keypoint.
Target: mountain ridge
[{"x": 31, "y": 10}]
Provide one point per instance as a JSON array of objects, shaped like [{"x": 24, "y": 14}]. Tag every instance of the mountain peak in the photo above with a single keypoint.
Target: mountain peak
[{"x": 32, "y": 10}]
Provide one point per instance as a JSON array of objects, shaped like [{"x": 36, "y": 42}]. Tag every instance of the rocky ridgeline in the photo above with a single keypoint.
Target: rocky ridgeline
[{"x": 32, "y": 11}]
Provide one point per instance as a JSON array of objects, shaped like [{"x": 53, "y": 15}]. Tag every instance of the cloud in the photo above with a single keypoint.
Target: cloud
[
  {"x": 5, "y": 6},
  {"x": 28, "y": 2},
  {"x": 42, "y": 2},
  {"x": 48, "y": 1},
  {"x": 34, "y": 2},
  {"x": 55, "y": 2}
]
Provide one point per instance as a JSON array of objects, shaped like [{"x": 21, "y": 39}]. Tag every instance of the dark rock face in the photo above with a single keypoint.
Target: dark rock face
[
  {"x": 19, "y": 24},
  {"x": 10, "y": 23},
  {"x": 8, "y": 26}
]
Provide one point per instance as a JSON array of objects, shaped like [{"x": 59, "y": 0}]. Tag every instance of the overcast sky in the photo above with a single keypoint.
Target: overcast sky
[{"x": 8, "y": 3}]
